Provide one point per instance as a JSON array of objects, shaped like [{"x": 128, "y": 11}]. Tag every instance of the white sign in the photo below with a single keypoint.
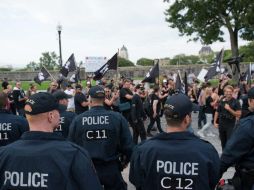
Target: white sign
[
  {"x": 202, "y": 74},
  {"x": 92, "y": 64}
]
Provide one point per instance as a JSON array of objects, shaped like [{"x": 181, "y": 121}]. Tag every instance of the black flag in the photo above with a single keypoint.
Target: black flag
[
  {"x": 153, "y": 73},
  {"x": 41, "y": 76},
  {"x": 110, "y": 65},
  {"x": 185, "y": 81},
  {"x": 69, "y": 66},
  {"x": 179, "y": 85},
  {"x": 248, "y": 73},
  {"x": 216, "y": 66},
  {"x": 75, "y": 78}
]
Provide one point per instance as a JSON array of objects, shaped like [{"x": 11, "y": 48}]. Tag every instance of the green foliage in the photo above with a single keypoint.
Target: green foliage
[
  {"x": 47, "y": 59},
  {"x": 247, "y": 50},
  {"x": 183, "y": 59},
  {"x": 204, "y": 20},
  {"x": 5, "y": 69},
  {"x": 32, "y": 66},
  {"x": 124, "y": 63},
  {"x": 145, "y": 62}
]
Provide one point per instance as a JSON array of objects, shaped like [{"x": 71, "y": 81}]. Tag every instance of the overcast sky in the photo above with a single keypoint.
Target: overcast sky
[{"x": 90, "y": 28}]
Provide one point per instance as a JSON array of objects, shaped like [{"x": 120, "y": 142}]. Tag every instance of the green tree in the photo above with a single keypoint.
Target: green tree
[
  {"x": 32, "y": 66},
  {"x": 49, "y": 60},
  {"x": 183, "y": 59},
  {"x": 247, "y": 50},
  {"x": 206, "y": 20},
  {"x": 145, "y": 62},
  {"x": 124, "y": 63}
]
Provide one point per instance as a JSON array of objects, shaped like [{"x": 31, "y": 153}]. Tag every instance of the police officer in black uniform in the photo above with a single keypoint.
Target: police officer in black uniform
[
  {"x": 66, "y": 117},
  {"x": 42, "y": 159},
  {"x": 239, "y": 150},
  {"x": 104, "y": 134},
  {"x": 176, "y": 159},
  {"x": 11, "y": 126}
]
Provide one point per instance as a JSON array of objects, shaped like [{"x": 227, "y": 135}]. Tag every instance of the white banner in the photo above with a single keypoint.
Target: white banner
[
  {"x": 92, "y": 63},
  {"x": 202, "y": 74}
]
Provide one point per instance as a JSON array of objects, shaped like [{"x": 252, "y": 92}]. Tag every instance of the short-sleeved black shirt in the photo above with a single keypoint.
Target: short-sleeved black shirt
[
  {"x": 78, "y": 99},
  {"x": 123, "y": 93}
]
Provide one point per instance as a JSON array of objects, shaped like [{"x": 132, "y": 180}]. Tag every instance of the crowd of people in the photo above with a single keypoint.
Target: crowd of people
[{"x": 82, "y": 137}]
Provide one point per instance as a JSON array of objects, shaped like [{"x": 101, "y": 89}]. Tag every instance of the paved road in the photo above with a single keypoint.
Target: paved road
[{"x": 214, "y": 140}]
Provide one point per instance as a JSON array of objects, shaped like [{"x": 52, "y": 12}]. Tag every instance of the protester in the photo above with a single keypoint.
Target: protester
[
  {"x": 176, "y": 158},
  {"x": 105, "y": 135},
  {"x": 19, "y": 98},
  {"x": 138, "y": 115},
  {"x": 239, "y": 151},
  {"x": 228, "y": 112},
  {"x": 70, "y": 91},
  {"x": 156, "y": 109},
  {"x": 42, "y": 159},
  {"x": 80, "y": 101}
]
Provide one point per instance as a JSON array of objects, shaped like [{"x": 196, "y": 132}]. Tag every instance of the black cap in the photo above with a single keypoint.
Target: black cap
[
  {"x": 251, "y": 93},
  {"x": 179, "y": 106},
  {"x": 59, "y": 95},
  {"x": 41, "y": 102},
  {"x": 97, "y": 92}
]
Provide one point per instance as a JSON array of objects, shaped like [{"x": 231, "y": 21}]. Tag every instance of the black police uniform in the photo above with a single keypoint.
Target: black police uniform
[
  {"x": 178, "y": 160},
  {"x": 41, "y": 160},
  {"x": 240, "y": 151},
  {"x": 137, "y": 116},
  {"x": 66, "y": 118},
  {"x": 11, "y": 127},
  {"x": 105, "y": 135}
]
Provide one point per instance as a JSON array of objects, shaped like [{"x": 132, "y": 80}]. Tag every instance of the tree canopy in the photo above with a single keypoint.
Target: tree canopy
[
  {"x": 47, "y": 59},
  {"x": 205, "y": 20},
  {"x": 124, "y": 62},
  {"x": 145, "y": 62}
]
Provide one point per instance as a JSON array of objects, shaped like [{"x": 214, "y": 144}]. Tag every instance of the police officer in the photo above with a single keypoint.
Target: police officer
[
  {"x": 11, "y": 126},
  {"x": 105, "y": 135},
  {"x": 228, "y": 111},
  {"x": 176, "y": 159},
  {"x": 66, "y": 117},
  {"x": 240, "y": 151},
  {"x": 42, "y": 159}
]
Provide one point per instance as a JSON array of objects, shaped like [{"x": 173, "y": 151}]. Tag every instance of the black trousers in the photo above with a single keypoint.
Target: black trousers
[
  {"x": 110, "y": 176},
  {"x": 139, "y": 130},
  {"x": 225, "y": 132},
  {"x": 152, "y": 121},
  {"x": 201, "y": 117}
]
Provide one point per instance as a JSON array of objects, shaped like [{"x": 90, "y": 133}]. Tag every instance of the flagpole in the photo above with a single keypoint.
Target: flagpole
[
  {"x": 159, "y": 72},
  {"x": 49, "y": 74},
  {"x": 117, "y": 67}
]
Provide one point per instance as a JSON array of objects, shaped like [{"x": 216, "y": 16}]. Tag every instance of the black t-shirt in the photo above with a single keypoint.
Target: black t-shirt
[
  {"x": 78, "y": 99},
  {"x": 155, "y": 97},
  {"x": 123, "y": 93},
  {"x": 225, "y": 117},
  {"x": 208, "y": 107}
]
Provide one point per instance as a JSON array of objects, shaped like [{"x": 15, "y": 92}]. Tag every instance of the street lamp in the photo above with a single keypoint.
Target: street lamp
[{"x": 59, "y": 30}]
